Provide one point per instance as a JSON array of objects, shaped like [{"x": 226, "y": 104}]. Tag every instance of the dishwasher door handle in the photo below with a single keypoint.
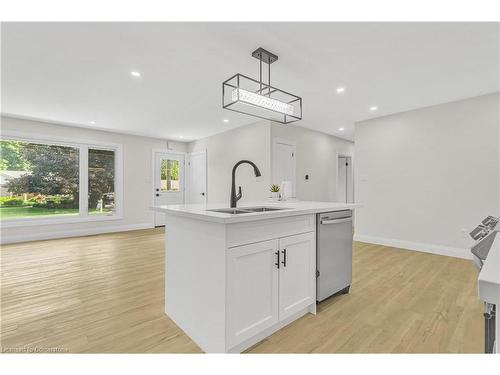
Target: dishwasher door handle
[{"x": 336, "y": 221}]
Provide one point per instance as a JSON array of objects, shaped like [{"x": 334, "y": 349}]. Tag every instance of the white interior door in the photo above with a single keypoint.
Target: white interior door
[
  {"x": 168, "y": 181},
  {"x": 197, "y": 178},
  {"x": 284, "y": 163}
]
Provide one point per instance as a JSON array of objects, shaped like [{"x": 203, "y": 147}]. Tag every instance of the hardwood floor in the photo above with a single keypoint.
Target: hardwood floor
[{"x": 105, "y": 294}]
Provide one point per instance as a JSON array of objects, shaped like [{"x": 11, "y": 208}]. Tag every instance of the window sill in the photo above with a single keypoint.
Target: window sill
[{"x": 15, "y": 223}]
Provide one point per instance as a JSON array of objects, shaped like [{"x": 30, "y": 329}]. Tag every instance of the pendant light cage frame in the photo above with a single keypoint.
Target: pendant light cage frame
[{"x": 256, "y": 98}]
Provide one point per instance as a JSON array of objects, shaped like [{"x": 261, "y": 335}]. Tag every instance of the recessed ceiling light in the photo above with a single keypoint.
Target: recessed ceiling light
[
  {"x": 373, "y": 108},
  {"x": 340, "y": 90},
  {"x": 92, "y": 122},
  {"x": 341, "y": 129},
  {"x": 225, "y": 120},
  {"x": 134, "y": 73}
]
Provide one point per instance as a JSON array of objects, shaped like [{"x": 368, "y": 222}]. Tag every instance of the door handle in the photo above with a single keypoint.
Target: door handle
[
  {"x": 277, "y": 264},
  {"x": 284, "y": 258},
  {"x": 202, "y": 194}
]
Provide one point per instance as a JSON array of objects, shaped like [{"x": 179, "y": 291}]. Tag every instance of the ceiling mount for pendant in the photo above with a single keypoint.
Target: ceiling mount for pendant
[
  {"x": 264, "y": 56},
  {"x": 259, "y": 99}
]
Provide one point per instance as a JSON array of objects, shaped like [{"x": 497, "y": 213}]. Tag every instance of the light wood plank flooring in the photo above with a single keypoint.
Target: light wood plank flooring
[{"x": 105, "y": 294}]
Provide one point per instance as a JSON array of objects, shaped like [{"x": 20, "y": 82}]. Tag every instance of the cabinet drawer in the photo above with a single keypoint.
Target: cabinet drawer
[{"x": 262, "y": 230}]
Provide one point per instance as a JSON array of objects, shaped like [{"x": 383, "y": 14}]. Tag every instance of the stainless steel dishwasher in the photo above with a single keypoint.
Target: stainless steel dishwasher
[{"x": 333, "y": 253}]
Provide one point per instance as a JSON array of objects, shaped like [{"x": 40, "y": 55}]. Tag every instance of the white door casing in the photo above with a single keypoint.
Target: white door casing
[
  {"x": 196, "y": 187},
  {"x": 297, "y": 276},
  {"x": 284, "y": 162},
  {"x": 345, "y": 191},
  {"x": 167, "y": 191},
  {"x": 342, "y": 180},
  {"x": 252, "y": 290}
]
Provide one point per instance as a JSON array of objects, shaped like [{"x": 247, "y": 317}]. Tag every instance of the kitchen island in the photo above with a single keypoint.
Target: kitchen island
[{"x": 234, "y": 278}]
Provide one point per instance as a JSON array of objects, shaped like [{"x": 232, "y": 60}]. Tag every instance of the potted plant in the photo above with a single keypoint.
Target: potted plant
[{"x": 275, "y": 191}]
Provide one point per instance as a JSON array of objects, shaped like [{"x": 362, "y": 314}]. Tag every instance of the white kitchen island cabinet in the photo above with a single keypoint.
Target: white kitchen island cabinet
[
  {"x": 297, "y": 276},
  {"x": 252, "y": 290},
  {"x": 233, "y": 280},
  {"x": 269, "y": 282}
]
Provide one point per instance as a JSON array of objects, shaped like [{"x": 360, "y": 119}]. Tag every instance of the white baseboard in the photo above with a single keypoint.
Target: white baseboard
[
  {"x": 416, "y": 246},
  {"x": 72, "y": 233}
]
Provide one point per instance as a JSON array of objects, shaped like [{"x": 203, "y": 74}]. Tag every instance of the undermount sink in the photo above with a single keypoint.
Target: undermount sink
[
  {"x": 263, "y": 209},
  {"x": 245, "y": 210},
  {"x": 232, "y": 211}
]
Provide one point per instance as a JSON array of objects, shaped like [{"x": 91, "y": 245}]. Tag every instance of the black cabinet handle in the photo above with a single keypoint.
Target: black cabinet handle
[
  {"x": 157, "y": 195},
  {"x": 284, "y": 258},
  {"x": 277, "y": 264}
]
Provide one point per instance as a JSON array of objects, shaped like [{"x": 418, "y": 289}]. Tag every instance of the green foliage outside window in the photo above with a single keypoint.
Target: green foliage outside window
[
  {"x": 12, "y": 156},
  {"x": 169, "y": 174}
]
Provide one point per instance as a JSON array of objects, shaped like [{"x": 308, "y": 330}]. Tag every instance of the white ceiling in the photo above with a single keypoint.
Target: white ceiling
[{"x": 75, "y": 73}]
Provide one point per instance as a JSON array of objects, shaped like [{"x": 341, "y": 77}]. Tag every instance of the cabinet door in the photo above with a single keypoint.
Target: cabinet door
[
  {"x": 297, "y": 277},
  {"x": 252, "y": 290}
]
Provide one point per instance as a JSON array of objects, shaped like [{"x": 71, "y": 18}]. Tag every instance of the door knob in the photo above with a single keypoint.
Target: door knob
[
  {"x": 202, "y": 194},
  {"x": 157, "y": 195}
]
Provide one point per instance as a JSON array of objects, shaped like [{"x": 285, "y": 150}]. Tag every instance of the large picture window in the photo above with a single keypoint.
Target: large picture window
[
  {"x": 101, "y": 181},
  {"x": 41, "y": 180}
]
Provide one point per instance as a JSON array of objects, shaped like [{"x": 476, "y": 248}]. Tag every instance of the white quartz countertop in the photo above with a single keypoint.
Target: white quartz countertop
[
  {"x": 489, "y": 277},
  {"x": 290, "y": 208}
]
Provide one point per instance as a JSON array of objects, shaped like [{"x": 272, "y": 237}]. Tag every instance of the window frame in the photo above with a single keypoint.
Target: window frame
[{"x": 83, "y": 146}]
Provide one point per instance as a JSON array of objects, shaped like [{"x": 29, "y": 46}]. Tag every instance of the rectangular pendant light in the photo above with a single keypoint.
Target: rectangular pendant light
[
  {"x": 249, "y": 96},
  {"x": 258, "y": 98}
]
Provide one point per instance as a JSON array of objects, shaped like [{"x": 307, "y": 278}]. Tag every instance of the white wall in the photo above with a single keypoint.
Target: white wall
[
  {"x": 426, "y": 177},
  {"x": 249, "y": 142},
  {"x": 316, "y": 155},
  {"x": 137, "y": 184}
]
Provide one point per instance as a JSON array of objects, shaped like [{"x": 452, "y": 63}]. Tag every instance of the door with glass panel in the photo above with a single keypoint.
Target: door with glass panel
[{"x": 168, "y": 181}]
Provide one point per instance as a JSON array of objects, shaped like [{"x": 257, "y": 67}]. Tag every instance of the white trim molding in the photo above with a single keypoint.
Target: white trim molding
[
  {"x": 415, "y": 246},
  {"x": 26, "y": 237}
]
